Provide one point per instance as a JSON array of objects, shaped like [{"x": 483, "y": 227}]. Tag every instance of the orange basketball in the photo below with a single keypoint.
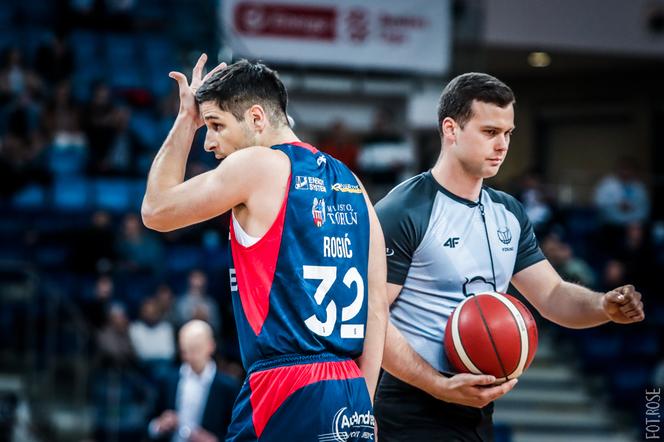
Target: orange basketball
[{"x": 491, "y": 333}]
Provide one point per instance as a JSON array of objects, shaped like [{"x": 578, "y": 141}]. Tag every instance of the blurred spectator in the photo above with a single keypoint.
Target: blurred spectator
[
  {"x": 113, "y": 342},
  {"x": 386, "y": 157},
  {"x": 139, "y": 251},
  {"x": 97, "y": 307},
  {"x": 195, "y": 404},
  {"x": 196, "y": 304},
  {"x": 16, "y": 79},
  {"x": 93, "y": 248},
  {"x": 535, "y": 201},
  {"x": 151, "y": 336},
  {"x": 342, "y": 144},
  {"x": 100, "y": 127},
  {"x": 622, "y": 198},
  {"x": 124, "y": 146},
  {"x": 639, "y": 256},
  {"x": 62, "y": 124},
  {"x": 561, "y": 257},
  {"x": 54, "y": 60},
  {"x": 614, "y": 275},
  {"x": 165, "y": 301}
]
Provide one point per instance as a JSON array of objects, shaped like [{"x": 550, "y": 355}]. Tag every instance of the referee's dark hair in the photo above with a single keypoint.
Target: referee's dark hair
[
  {"x": 457, "y": 98},
  {"x": 243, "y": 84}
]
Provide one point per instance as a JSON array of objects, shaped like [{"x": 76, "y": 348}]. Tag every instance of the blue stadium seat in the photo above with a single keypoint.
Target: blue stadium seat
[
  {"x": 144, "y": 125},
  {"x": 183, "y": 258},
  {"x": 71, "y": 193},
  {"x": 112, "y": 194},
  {"x": 30, "y": 197},
  {"x": 66, "y": 161}
]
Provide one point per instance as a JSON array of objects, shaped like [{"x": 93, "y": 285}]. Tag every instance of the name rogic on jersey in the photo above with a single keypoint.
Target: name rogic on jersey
[{"x": 302, "y": 288}]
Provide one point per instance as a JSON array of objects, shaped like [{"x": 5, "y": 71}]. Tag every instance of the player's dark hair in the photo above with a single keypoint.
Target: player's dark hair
[
  {"x": 243, "y": 84},
  {"x": 457, "y": 98}
]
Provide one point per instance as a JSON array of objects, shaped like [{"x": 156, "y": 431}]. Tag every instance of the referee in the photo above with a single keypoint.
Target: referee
[{"x": 447, "y": 236}]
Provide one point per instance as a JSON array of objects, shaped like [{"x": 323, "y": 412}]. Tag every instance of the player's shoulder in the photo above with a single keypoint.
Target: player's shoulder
[{"x": 255, "y": 159}]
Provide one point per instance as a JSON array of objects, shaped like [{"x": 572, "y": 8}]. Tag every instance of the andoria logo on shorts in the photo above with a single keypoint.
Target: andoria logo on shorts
[{"x": 346, "y": 426}]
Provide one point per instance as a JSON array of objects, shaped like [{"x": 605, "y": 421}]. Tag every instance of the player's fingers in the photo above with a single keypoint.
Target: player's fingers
[
  {"x": 217, "y": 68},
  {"x": 180, "y": 78},
  {"x": 198, "y": 68}
]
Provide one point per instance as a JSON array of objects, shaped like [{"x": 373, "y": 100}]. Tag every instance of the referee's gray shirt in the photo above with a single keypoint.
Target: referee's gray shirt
[{"x": 436, "y": 241}]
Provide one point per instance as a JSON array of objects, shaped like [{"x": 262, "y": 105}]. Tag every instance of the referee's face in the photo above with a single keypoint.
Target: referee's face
[{"x": 482, "y": 144}]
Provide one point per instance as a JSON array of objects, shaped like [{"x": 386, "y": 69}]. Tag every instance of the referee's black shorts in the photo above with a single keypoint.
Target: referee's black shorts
[{"x": 407, "y": 414}]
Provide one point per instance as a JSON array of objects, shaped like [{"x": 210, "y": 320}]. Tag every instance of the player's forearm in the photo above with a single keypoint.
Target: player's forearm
[
  {"x": 401, "y": 361},
  {"x": 168, "y": 167},
  {"x": 374, "y": 342},
  {"x": 574, "y": 306}
]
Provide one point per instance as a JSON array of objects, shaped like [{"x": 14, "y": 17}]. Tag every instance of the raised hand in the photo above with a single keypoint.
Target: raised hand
[{"x": 188, "y": 105}]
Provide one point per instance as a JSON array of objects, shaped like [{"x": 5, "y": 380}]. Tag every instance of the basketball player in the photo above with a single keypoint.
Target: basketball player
[
  {"x": 308, "y": 281},
  {"x": 447, "y": 236}
]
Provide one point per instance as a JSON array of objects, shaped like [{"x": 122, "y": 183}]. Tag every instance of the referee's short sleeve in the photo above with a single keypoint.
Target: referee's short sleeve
[
  {"x": 529, "y": 252},
  {"x": 400, "y": 243},
  {"x": 404, "y": 216}
]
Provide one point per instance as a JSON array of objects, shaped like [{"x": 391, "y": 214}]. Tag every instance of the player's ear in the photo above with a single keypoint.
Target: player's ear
[{"x": 256, "y": 117}]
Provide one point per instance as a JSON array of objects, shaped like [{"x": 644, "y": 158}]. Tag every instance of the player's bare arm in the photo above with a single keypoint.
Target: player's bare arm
[
  {"x": 403, "y": 362},
  {"x": 170, "y": 202},
  {"x": 574, "y": 306}
]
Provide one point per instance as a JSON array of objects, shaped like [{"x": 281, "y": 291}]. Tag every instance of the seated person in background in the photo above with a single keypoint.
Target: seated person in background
[{"x": 195, "y": 403}]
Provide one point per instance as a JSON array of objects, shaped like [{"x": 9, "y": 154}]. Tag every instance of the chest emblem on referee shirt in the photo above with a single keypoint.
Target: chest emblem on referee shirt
[
  {"x": 504, "y": 235},
  {"x": 318, "y": 212}
]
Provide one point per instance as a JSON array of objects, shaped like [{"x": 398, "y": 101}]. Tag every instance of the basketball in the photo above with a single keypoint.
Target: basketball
[{"x": 491, "y": 333}]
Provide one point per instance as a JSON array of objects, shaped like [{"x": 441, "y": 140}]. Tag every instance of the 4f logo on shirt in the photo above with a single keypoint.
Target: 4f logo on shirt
[
  {"x": 452, "y": 242},
  {"x": 318, "y": 212}
]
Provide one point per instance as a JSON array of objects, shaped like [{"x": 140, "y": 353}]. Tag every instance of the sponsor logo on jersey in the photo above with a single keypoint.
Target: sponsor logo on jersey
[
  {"x": 389, "y": 252},
  {"x": 346, "y": 188},
  {"x": 504, "y": 235},
  {"x": 342, "y": 215},
  {"x": 452, "y": 242},
  {"x": 310, "y": 183},
  {"x": 320, "y": 160},
  {"x": 318, "y": 212},
  {"x": 356, "y": 426},
  {"x": 337, "y": 247}
]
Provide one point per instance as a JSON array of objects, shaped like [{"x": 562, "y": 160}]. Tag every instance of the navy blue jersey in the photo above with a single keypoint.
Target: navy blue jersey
[{"x": 302, "y": 288}]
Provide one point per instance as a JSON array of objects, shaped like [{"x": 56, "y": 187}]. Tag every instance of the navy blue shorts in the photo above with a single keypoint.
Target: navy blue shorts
[{"x": 318, "y": 399}]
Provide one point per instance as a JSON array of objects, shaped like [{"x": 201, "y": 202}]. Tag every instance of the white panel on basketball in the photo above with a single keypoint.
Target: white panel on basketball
[
  {"x": 456, "y": 338},
  {"x": 523, "y": 333}
]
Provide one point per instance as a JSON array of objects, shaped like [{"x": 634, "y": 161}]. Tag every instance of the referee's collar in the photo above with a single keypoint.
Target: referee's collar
[{"x": 456, "y": 198}]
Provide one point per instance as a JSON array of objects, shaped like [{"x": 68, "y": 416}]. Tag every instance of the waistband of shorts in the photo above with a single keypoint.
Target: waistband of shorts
[{"x": 294, "y": 359}]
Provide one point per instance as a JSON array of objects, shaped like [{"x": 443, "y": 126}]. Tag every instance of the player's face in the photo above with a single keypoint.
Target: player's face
[
  {"x": 482, "y": 144},
  {"x": 225, "y": 134}
]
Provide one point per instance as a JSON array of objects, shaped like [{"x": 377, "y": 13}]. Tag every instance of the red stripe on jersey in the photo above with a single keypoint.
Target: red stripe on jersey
[
  {"x": 270, "y": 388},
  {"x": 307, "y": 146},
  {"x": 255, "y": 267}
]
